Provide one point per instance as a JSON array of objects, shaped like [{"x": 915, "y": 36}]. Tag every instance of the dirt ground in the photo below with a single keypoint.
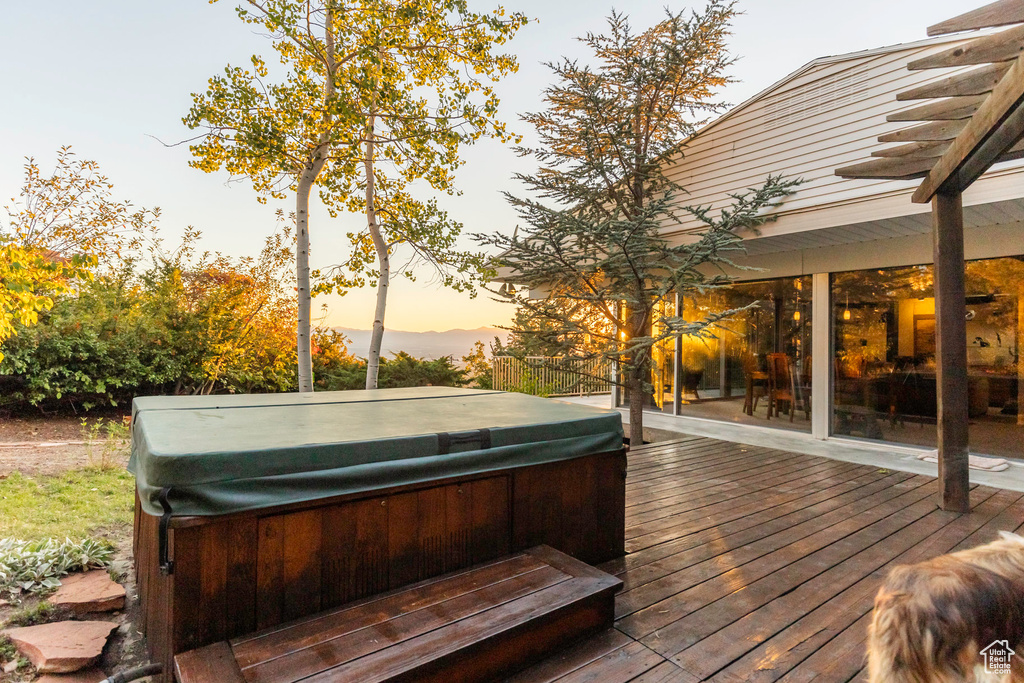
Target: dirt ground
[{"x": 50, "y": 445}]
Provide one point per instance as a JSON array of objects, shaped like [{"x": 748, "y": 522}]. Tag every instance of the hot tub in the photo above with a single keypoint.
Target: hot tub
[{"x": 253, "y": 510}]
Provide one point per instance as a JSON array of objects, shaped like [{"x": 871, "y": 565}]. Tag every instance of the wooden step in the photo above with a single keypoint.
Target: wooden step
[{"x": 476, "y": 624}]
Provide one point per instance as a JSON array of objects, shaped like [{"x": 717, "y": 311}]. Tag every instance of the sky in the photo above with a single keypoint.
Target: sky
[{"x": 113, "y": 78}]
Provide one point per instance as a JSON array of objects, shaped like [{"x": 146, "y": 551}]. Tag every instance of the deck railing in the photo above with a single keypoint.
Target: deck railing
[{"x": 551, "y": 376}]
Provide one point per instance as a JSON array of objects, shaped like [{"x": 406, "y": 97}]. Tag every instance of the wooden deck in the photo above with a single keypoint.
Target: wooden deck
[{"x": 753, "y": 564}]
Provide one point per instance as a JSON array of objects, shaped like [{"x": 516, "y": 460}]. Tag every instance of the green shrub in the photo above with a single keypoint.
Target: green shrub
[
  {"x": 183, "y": 325},
  {"x": 39, "y": 613},
  {"x": 479, "y": 368},
  {"x": 36, "y": 566},
  {"x": 334, "y": 369}
]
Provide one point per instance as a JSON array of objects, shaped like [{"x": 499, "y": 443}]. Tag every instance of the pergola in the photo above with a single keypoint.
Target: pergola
[{"x": 972, "y": 120}]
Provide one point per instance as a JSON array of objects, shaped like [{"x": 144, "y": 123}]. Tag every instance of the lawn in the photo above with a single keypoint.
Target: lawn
[{"x": 75, "y": 504}]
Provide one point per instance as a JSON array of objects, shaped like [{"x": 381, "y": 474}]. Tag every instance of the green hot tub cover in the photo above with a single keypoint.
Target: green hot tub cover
[{"x": 215, "y": 455}]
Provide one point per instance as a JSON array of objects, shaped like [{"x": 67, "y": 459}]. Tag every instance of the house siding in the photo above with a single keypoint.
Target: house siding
[{"x": 826, "y": 115}]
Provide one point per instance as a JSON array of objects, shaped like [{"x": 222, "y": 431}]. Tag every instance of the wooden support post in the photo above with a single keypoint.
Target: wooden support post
[
  {"x": 1020, "y": 347},
  {"x": 724, "y": 388},
  {"x": 614, "y": 370},
  {"x": 677, "y": 364},
  {"x": 951, "y": 350}
]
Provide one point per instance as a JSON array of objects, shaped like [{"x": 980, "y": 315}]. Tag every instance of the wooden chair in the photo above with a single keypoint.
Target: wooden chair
[
  {"x": 691, "y": 382},
  {"x": 781, "y": 385},
  {"x": 757, "y": 383},
  {"x": 804, "y": 385}
]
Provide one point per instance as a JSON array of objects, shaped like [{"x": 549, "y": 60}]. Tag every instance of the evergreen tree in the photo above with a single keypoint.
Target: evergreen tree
[{"x": 592, "y": 239}]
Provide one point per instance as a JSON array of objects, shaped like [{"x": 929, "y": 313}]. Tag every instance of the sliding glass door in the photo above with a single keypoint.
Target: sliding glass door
[{"x": 884, "y": 355}]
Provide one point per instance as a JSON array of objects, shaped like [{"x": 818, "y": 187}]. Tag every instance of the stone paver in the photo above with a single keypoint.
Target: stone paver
[
  {"x": 62, "y": 646},
  {"x": 92, "y": 591},
  {"x": 90, "y": 675}
]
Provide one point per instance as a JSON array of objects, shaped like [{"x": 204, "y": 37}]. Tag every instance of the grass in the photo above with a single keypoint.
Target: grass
[
  {"x": 73, "y": 504},
  {"x": 40, "y": 613},
  {"x": 7, "y": 650}
]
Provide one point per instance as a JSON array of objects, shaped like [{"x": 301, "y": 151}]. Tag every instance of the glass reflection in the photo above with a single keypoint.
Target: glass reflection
[
  {"x": 757, "y": 370},
  {"x": 884, "y": 365}
]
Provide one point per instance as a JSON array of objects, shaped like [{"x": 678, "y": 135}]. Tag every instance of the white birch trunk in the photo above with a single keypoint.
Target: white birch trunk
[
  {"x": 305, "y": 357},
  {"x": 383, "y": 262},
  {"x": 307, "y": 178}
]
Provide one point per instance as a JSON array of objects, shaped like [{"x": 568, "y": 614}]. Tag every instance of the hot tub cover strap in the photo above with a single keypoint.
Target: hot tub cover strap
[{"x": 164, "y": 559}]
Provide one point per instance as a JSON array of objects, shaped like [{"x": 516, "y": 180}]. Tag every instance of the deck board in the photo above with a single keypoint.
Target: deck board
[{"x": 753, "y": 564}]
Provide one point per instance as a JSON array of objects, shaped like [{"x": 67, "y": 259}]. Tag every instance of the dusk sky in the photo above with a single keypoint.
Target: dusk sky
[{"x": 109, "y": 76}]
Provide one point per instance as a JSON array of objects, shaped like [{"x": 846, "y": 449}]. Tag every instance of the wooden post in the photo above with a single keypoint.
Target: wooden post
[
  {"x": 1020, "y": 347},
  {"x": 951, "y": 350},
  {"x": 677, "y": 364},
  {"x": 616, "y": 393},
  {"x": 724, "y": 388}
]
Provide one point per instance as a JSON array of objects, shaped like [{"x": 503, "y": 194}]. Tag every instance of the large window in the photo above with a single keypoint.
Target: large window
[
  {"x": 884, "y": 355},
  {"x": 757, "y": 368}
]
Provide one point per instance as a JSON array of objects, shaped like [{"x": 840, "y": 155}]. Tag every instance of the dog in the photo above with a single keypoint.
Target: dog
[{"x": 933, "y": 619}]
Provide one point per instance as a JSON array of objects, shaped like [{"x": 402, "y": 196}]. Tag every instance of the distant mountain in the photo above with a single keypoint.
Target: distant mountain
[{"x": 456, "y": 343}]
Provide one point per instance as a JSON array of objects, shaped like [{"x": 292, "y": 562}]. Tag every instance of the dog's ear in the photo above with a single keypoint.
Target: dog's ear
[{"x": 1010, "y": 536}]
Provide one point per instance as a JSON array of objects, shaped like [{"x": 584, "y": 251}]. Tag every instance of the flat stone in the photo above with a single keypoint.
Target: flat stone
[
  {"x": 63, "y": 646},
  {"x": 91, "y": 675},
  {"x": 92, "y": 591}
]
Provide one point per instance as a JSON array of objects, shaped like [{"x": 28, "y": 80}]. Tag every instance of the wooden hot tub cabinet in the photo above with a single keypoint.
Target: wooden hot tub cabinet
[{"x": 237, "y": 573}]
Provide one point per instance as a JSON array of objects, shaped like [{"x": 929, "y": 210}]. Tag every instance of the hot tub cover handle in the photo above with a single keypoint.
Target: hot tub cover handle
[{"x": 445, "y": 440}]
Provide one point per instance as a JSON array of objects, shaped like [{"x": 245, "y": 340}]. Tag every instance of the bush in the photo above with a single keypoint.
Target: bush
[
  {"x": 35, "y": 566},
  {"x": 479, "y": 368},
  {"x": 335, "y": 369},
  {"x": 185, "y": 325},
  {"x": 181, "y": 326}
]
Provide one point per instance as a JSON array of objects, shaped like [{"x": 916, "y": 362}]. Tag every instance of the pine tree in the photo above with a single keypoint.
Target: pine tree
[{"x": 597, "y": 204}]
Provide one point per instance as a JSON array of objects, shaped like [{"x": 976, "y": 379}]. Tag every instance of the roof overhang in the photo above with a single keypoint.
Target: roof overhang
[{"x": 971, "y": 120}]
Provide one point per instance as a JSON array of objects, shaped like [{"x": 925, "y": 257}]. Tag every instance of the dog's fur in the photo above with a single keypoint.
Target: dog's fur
[{"x": 932, "y": 619}]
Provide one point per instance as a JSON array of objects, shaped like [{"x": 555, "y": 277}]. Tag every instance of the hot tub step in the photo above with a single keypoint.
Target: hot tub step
[{"x": 473, "y": 625}]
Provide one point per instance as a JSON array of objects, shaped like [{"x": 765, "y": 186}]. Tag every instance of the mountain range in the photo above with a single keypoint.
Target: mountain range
[{"x": 456, "y": 343}]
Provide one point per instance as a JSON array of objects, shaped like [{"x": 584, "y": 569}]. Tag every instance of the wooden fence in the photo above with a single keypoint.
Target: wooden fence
[{"x": 547, "y": 376}]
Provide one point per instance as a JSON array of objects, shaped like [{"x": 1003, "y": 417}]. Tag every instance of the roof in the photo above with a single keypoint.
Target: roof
[
  {"x": 821, "y": 61},
  {"x": 973, "y": 119},
  {"x": 821, "y": 116}
]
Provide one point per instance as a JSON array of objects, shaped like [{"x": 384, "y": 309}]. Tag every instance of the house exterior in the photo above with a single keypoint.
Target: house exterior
[{"x": 836, "y": 339}]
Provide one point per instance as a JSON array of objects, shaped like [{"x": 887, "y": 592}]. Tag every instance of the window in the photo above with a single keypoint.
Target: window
[{"x": 884, "y": 367}]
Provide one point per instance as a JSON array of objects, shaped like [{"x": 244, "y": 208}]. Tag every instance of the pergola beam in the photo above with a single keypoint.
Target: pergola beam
[
  {"x": 998, "y": 13},
  {"x": 974, "y": 82},
  {"x": 915, "y": 150},
  {"x": 996, "y": 127},
  {"x": 944, "y": 110},
  {"x": 889, "y": 168},
  {"x": 906, "y": 162},
  {"x": 927, "y": 132},
  {"x": 1001, "y": 47}
]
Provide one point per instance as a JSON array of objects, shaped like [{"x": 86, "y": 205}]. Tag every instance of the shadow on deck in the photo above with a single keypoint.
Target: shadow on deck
[{"x": 754, "y": 564}]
